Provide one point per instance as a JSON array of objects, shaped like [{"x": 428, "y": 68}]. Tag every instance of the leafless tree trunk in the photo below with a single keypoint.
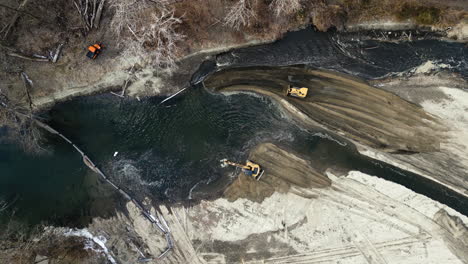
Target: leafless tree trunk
[
  {"x": 90, "y": 12},
  {"x": 240, "y": 14},
  {"x": 285, "y": 7}
]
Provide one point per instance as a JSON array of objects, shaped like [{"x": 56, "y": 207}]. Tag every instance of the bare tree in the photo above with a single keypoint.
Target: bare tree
[
  {"x": 240, "y": 14},
  {"x": 285, "y": 7},
  {"x": 90, "y": 12},
  {"x": 148, "y": 29},
  {"x": 20, "y": 121}
]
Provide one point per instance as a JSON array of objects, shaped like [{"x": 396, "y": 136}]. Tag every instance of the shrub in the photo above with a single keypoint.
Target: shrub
[{"x": 421, "y": 14}]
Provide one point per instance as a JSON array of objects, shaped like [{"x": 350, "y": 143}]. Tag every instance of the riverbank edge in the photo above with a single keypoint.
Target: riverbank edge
[
  {"x": 362, "y": 149},
  {"x": 118, "y": 77},
  {"x": 115, "y": 79}
]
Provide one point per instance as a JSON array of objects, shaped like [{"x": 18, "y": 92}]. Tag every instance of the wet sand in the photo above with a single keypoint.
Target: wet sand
[
  {"x": 283, "y": 170},
  {"x": 340, "y": 103}
]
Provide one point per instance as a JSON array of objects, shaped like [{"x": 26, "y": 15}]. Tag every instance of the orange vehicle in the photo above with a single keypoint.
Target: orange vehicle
[{"x": 94, "y": 50}]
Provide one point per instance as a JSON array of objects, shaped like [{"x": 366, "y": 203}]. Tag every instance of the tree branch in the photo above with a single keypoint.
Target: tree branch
[
  {"x": 14, "y": 19},
  {"x": 20, "y": 11}
]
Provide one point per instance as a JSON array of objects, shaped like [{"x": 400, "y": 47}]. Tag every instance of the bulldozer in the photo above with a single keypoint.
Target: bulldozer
[
  {"x": 94, "y": 50},
  {"x": 296, "y": 91},
  {"x": 250, "y": 168}
]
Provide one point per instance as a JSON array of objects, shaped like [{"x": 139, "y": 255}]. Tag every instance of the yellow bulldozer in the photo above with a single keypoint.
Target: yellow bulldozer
[
  {"x": 300, "y": 92},
  {"x": 250, "y": 168}
]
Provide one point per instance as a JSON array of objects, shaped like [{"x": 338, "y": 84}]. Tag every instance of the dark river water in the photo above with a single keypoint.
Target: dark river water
[{"x": 171, "y": 152}]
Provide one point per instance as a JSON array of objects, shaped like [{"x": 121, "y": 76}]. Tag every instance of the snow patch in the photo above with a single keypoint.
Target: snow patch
[
  {"x": 430, "y": 66},
  {"x": 92, "y": 241}
]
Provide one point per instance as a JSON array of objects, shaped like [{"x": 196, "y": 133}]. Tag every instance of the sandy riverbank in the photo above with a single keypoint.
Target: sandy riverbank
[
  {"x": 382, "y": 125},
  {"x": 352, "y": 218}
]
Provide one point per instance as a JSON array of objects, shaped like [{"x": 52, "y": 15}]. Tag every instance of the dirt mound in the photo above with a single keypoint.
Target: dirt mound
[
  {"x": 342, "y": 104},
  {"x": 282, "y": 170}
]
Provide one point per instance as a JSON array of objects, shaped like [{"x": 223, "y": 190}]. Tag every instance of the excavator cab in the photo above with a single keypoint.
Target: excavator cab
[
  {"x": 296, "y": 91},
  {"x": 250, "y": 168},
  {"x": 94, "y": 50}
]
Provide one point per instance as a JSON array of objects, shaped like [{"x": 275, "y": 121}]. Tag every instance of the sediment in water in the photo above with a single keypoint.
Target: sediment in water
[{"x": 340, "y": 103}]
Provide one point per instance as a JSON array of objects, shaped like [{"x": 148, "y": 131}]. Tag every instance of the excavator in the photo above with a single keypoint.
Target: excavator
[
  {"x": 250, "y": 168},
  {"x": 296, "y": 91},
  {"x": 94, "y": 50}
]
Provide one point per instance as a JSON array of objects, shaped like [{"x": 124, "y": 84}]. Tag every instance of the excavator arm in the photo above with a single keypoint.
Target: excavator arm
[
  {"x": 250, "y": 168},
  {"x": 236, "y": 165}
]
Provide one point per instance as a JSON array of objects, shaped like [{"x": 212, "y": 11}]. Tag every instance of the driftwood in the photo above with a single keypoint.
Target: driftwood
[
  {"x": 26, "y": 57},
  {"x": 15, "y": 53},
  {"x": 116, "y": 94},
  {"x": 126, "y": 81},
  {"x": 57, "y": 53},
  {"x": 172, "y": 96},
  {"x": 124, "y": 87},
  {"x": 27, "y": 85}
]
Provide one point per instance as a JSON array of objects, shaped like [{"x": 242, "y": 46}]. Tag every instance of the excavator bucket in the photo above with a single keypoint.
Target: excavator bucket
[{"x": 223, "y": 163}]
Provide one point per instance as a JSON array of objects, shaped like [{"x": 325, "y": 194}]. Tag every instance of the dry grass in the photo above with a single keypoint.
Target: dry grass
[
  {"x": 328, "y": 16},
  {"x": 419, "y": 11}
]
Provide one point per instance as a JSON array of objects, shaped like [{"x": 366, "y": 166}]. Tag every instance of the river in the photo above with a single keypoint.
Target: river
[{"x": 171, "y": 152}]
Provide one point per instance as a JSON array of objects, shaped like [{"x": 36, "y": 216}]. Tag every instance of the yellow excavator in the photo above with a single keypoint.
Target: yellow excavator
[
  {"x": 296, "y": 91},
  {"x": 250, "y": 168}
]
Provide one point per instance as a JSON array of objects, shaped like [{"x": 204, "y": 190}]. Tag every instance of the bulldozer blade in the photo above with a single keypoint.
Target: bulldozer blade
[{"x": 261, "y": 174}]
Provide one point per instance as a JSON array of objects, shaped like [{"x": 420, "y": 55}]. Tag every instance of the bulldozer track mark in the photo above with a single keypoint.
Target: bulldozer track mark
[{"x": 332, "y": 254}]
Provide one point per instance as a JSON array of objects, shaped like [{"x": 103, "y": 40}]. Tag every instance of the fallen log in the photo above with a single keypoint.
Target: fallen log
[
  {"x": 57, "y": 53},
  {"x": 172, "y": 96},
  {"x": 119, "y": 95},
  {"x": 26, "y": 57},
  {"x": 122, "y": 94},
  {"x": 27, "y": 86}
]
